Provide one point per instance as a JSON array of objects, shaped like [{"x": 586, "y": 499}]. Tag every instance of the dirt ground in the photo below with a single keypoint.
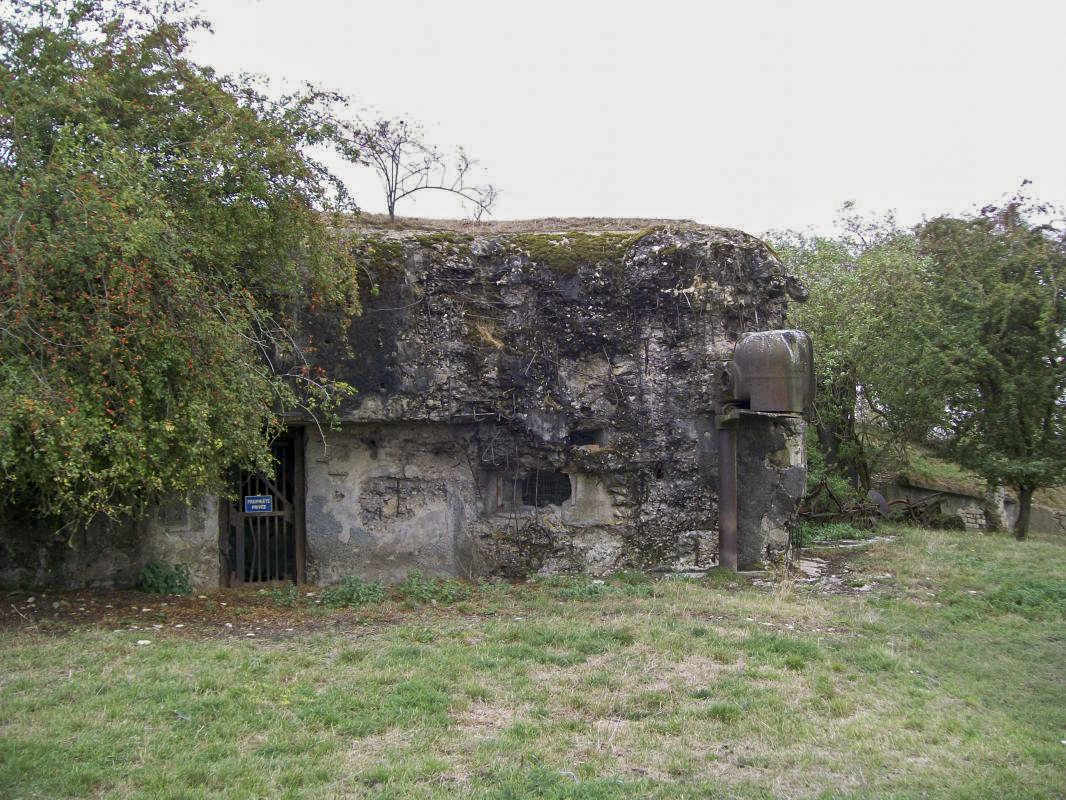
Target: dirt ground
[
  {"x": 252, "y": 612},
  {"x": 236, "y": 613}
]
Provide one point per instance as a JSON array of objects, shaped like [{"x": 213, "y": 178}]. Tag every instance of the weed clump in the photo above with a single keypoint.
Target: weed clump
[
  {"x": 285, "y": 598},
  {"x": 354, "y": 592},
  {"x": 807, "y": 533},
  {"x": 1031, "y": 598},
  {"x": 791, "y": 652},
  {"x": 581, "y": 588},
  {"x": 417, "y": 588},
  {"x": 159, "y": 577},
  {"x": 724, "y": 712}
]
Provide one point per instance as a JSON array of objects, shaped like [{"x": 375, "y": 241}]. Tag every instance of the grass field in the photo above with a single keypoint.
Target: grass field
[{"x": 938, "y": 671}]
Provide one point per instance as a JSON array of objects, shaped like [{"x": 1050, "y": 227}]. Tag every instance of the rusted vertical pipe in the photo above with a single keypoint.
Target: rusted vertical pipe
[{"x": 727, "y": 496}]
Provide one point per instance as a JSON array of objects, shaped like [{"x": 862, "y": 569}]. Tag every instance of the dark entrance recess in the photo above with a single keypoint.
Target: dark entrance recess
[
  {"x": 545, "y": 488},
  {"x": 264, "y": 534},
  {"x": 591, "y": 437}
]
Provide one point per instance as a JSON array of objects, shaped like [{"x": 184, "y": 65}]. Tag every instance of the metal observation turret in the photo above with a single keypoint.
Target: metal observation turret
[{"x": 771, "y": 375}]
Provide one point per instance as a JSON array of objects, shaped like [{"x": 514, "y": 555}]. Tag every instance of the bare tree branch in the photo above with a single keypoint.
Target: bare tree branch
[{"x": 406, "y": 164}]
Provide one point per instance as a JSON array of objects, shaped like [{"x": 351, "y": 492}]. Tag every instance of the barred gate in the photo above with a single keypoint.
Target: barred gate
[{"x": 265, "y": 532}]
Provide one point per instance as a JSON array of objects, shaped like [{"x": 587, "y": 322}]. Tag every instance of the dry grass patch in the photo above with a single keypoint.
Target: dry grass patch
[{"x": 482, "y": 719}]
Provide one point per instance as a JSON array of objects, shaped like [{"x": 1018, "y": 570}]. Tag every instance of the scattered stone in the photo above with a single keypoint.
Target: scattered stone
[{"x": 812, "y": 567}]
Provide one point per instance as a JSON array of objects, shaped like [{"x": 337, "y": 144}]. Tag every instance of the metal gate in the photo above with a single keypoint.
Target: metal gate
[{"x": 265, "y": 534}]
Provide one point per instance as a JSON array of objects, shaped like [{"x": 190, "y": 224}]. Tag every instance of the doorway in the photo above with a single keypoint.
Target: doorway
[{"x": 264, "y": 536}]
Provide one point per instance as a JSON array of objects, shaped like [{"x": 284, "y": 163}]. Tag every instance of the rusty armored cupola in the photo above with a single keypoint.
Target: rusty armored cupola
[
  {"x": 770, "y": 376},
  {"x": 771, "y": 371}
]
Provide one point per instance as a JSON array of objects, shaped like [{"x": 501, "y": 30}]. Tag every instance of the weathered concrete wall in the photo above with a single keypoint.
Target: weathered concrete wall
[
  {"x": 1046, "y": 520},
  {"x": 994, "y": 511},
  {"x": 383, "y": 500},
  {"x": 180, "y": 533},
  {"x": 969, "y": 508},
  {"x": 34, "y": 554}
]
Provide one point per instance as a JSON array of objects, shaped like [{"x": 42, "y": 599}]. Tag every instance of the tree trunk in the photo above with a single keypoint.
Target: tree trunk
[
  {"x": 995, "y": 510},
  {"x": 829, "y": 439},
  {"x": 862, "y": 471},
  {"x": 1025, "y": 503},
  {"x": 836, "y": 431}
]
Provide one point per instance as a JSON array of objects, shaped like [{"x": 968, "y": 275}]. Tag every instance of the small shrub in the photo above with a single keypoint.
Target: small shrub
[
  {"x": 159, "y": 577},
  {"x": 353, "y": 592},
  {"x": 417, "y": 588},
  {"x": 819, "y": 469}
]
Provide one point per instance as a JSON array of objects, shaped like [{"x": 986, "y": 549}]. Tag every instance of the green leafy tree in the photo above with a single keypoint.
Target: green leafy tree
[
  {"x": 954, "y": 333},
  {"x": 160, "y": 227},
  {"x": 1000, "y": 279},
  {"x": 826, "y": 267},
  {"x": 874, "y": 328}
]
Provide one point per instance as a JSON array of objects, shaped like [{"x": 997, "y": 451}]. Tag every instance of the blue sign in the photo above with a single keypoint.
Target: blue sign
[{"x": 258, "y": 503}]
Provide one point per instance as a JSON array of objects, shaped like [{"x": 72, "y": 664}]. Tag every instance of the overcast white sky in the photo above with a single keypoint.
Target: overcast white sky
[{"x": 756, "y": 114}]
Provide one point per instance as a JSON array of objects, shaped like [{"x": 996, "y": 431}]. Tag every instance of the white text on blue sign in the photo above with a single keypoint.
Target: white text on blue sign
[{"x": 258, "y": 503}]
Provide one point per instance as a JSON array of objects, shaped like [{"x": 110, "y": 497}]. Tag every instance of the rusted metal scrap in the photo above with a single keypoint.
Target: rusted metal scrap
[{"x": 868, "y": 513}]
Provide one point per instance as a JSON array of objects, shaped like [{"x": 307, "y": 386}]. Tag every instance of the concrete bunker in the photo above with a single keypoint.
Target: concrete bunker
[{"x": 529, "y": 400}]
